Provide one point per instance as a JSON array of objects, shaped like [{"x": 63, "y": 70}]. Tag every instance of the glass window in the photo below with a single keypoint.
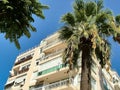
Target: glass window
[
  {"x": 93, "y": 67},
  {"x": 93, "y": 84},
  {"x": 40, "y": 50},
  {"x": 106, "y": 85},
  {"x": 37, "y": 63},
  {"x": 79, "y": 78}
]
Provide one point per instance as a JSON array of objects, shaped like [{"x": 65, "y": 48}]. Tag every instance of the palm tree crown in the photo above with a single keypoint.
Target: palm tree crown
[
  {"x": 92, "y": 22},
  {"x": 86, "y": 30}
]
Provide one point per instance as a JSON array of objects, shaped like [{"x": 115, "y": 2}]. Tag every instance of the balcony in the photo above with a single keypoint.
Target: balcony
[
  {"x": 23, "y": 70},
  {"x": 11, "y": 76},
  {"x": 62, "y": 85},
  {"x": 55, "y": 68},
  {"x": 51, "y": 54},
  {"x": 51, "y": 43},
  {"x": 56, "y": 44},
  {"x": 19, "y": 72},
  {"x": 23, "y": 60}
]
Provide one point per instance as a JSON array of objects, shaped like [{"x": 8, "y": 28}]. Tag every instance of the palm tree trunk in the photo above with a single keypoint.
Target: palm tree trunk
[{"x": 86, "y": 69}]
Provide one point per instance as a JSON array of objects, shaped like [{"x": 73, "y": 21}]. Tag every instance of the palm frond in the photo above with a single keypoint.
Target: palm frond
[
  {"x": 90, "y": 8},
  {"x": 117, "y": 18},
  {"x": 65, "y": 32},
  {"x": 99, "y": 5},
  {"x": 68, "y": 19},
  {"x": 90, "y": 24}
]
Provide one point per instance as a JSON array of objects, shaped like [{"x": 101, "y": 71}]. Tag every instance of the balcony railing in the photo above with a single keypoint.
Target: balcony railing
[
  {"x": 19, "y": 72},
  {"x": 23, "y": 60},
  {"x": 24, "y": 70},
  {"x": 55, "y": 68},
  {"x": 52, "y": 43},
  {"x": 51, "y": 55},
  {"x": 29, "y": 49},
  {"x": 55, "y": 85}
]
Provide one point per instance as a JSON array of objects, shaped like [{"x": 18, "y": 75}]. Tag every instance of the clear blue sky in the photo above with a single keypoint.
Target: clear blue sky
[{"x": 51, "y": 24}]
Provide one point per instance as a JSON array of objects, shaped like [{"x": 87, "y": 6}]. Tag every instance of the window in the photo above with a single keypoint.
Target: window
[
  {"x": 79, "y": 78},
  {"x": 106, "y": 85},
  {"x": 79, "y": 61},
  {"x": 93, "y": 84},
  {"x": 37, "y": 63},
  {"x": 40, "y": 50},
  {"x": 15, "y": 72},
  {"x": 25, "y": 67},
  {"x": 20, "y": 80},
  {"x": 93, "y": 68}
]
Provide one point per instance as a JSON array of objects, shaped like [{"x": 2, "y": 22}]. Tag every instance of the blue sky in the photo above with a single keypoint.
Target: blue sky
[{"x": 51, "y": 24}]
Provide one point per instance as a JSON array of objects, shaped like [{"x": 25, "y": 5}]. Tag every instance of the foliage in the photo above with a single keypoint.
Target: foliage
[
  {"x": 16, "y": 18},
  {"x": 89, "y": 24}
]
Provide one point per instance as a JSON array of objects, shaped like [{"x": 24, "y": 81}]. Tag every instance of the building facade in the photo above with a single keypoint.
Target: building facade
[{"x": 41, "y": 68}]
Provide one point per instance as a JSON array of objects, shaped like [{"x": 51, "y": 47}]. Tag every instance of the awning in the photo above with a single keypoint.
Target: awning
[
  {"x": 8, "y": 82},
  {"x": 11, "y": 83},
  {"x": 20, "y": 79}
]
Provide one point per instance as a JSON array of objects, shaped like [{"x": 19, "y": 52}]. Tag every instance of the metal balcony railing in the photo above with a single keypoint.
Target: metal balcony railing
[{"x": 55, "y": 85}]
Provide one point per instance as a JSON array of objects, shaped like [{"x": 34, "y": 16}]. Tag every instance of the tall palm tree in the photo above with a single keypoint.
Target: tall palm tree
[{"x": 86, "y": 30}]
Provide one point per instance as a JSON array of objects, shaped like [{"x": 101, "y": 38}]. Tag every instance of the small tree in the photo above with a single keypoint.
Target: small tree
[{"x": 16, "y": 18}]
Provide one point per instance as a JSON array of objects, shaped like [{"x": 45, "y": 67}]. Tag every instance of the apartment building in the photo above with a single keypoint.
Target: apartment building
[{"x": 41, "y": 68}]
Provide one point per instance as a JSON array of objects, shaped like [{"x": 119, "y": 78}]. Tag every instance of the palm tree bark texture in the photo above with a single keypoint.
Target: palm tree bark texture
[{"x": 86, "y": 65}]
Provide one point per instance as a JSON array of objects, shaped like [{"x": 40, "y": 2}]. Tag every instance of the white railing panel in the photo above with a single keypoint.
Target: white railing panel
[{"x": 55, "y": 85}]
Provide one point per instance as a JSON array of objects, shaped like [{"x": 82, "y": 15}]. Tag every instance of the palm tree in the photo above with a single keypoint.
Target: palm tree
[
  {"x": 86, "y": 30},
  {"x": 16, "y": 17}
]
